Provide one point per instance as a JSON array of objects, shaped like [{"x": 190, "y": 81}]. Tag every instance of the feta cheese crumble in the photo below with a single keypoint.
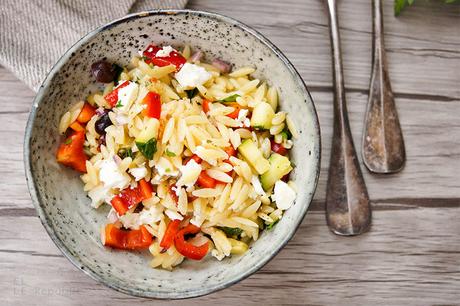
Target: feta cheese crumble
[
  {"x": 111, "y": 176},
  {"x": 165, "y": 51},
  {"x": 192, "y": 75},
  {"x": 190, "y": 173},
  {"x": 126, "y": 96},
  {"x": 283, "y": 195},
  {"x": 139, "y": 173}
]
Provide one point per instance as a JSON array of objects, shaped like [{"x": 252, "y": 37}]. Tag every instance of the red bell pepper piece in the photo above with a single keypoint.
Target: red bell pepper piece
[
  {"x": 77, "y": 127},
  {"x": 126, "y": 239},
  {"x": 195, "y": 157},
  {"x": 174, "y": 58},
  {"x": 112, "y": 97},
  {"x": 87, "y": 112},
  {"x": 237, "y": 108},
  {"x": 71, "y": 154},
  {"x": 170, "y": 233},
  {"x": 278, "y": 148},
  {"x": 205, "y": 181},
  {"x": 187, "y": 249},
  {"x": 153, "y": 102},
  {"x": 230, "y": 151},
  {"x": 131, "y": 196},
  {"x": 146, "y": 189},
  {"x": 206, "y": 105}
]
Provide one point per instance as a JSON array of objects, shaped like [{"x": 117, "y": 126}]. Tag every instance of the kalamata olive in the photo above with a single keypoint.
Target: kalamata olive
[
  {"x": 102, "y": 123},
  {"x": 103, "y": 71}
]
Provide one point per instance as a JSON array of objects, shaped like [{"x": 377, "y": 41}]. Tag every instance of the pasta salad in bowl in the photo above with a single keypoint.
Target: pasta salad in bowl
[{"x": 180, "y": 147}]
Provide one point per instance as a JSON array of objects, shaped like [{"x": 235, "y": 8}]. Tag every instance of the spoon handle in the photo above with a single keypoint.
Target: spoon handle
[
  {"x": 383, "y": 145},
  {"x": 347, "y": 202}
]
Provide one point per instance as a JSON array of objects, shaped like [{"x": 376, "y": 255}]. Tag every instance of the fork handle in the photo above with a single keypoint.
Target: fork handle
[{"x": 347, "y": 202}]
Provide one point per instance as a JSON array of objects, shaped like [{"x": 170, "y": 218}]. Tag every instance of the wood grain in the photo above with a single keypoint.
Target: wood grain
[{"x": 412, "y": 253}]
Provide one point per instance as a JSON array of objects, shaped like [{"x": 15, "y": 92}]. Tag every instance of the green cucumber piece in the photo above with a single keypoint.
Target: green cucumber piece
[
  {"x": 253, "y": 155},
  {"x": 147, "y": 148},
  {"x": 262, "y": 116},
  {"x": 150, "y": 131},
  {"x": 279, "y": 166}
]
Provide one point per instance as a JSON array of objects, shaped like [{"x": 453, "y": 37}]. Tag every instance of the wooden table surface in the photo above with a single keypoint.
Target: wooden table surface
[{"x": 411, "y": 254}]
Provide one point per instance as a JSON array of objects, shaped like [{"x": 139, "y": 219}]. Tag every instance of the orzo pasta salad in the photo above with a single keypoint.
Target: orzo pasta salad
[{"x": 191, "y": 157}]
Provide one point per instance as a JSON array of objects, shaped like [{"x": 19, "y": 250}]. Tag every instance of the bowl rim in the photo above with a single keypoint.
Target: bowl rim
[{"x": 38, "y": 203}]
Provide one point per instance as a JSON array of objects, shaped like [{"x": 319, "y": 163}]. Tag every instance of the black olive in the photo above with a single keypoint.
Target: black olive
[
  {"x": 103, "y": 71},
  {"x": 102, "y": 123}
]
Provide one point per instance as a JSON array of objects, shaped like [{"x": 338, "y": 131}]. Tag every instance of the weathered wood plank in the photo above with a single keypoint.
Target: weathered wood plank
[{"x": 410, "y": 257}]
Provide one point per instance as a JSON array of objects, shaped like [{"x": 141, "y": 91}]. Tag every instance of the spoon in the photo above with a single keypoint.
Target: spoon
[
  {"x": 348, "y": 209},
  {"x": 383, "y": 145}
]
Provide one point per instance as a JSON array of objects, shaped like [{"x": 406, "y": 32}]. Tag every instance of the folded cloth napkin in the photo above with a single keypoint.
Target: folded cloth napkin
[{"x": 34, "y": 34}]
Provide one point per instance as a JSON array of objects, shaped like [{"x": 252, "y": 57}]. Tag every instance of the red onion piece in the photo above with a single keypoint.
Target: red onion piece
[
  {"x": 117, "y": 159},
  {"x": 100, "y": 111},
  {"x": 223, "y": 66},
  {"x": 197, "y": 56}
]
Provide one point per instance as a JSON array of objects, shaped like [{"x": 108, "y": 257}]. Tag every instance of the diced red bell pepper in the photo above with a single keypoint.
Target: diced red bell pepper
[
  {"x": 131, "y": 196},
  {"x": 77, "y": 127},
  {"x": 205, "y": 105},
  {"x": 237, "y": 108},
  {"x": 171, "y": 231},
  {"x": 278, "y": 148},
  {"x": 87, "y": 112},
  {"x": 187, "y": 249},
  {"x": 126, "y": 239},
  {"x": 112, "y": 97},
  {"x": 205, "y": 181},
  {"x": 195, "y": 157},
  {"x": 71, "y": 154},
  {"x": 146, "y": 189},
  {"x": 153, "y": 102},
  {"x": 230, "y": 151},
  {"x": 174, "y": 58}
]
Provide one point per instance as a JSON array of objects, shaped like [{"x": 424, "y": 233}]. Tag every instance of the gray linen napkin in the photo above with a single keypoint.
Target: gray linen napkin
[{"x": 35, "y": 33}]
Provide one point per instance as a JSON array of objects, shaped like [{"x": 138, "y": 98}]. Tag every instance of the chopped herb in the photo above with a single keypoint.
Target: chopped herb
[
  {"x": 399, "y": 5},
  {"x": 68, "y": 141},
  {"x": 271, "y": 225},
  {"x": 169, "y": 153},
  {"x": 286, "y": 134},
  {"x": 231, "y": 231},
  {"x": 258, "y": 127},
  {"x": 147, "y": 148},
  {"x": 119, "y": 104},
  {"x": 144, "y": 58},
  {"x": 168, "y": 170},
  {"x": 231, "y": 98},
  {"x": 123, "y": 153},
  {"x": 191, "y": 93}
]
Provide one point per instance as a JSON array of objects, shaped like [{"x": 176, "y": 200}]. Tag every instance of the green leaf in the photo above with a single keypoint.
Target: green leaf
[
  {"x": 68, "y": 141},
  {"x": 191, "y": 93},
  {"x": 399, "y": 6},
  {"x": 231, "y": 231},
  {"x": 147, "y": 148},
  {"x": 286, "y": 134},
  {"x": 119, "y": 104},
  {"x": 271, "y": 225},
  {"x": 231, "y": 98},
  {"x": 169, "y": 153}
]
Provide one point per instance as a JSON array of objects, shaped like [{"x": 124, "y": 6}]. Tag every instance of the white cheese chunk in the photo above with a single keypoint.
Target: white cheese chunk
[
  {"x": 126, "y": 96},
  {"x": 111, "y": 176},
  {"x": 192, "y": 75},
  {"x": 283, "y": 195},
  {"x": 151, "y": 216},
  {"x": 165, "y": 51},
  {"x": 130, "y": 220},
  {"x": 189, "y": 173},
  {"x": 99, "y": 195},
  {"x": 139, "y": 173}
]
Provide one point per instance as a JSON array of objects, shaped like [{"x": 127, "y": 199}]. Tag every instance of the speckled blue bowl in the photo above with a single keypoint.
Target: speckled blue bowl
[{"x": 57, "y": 192}]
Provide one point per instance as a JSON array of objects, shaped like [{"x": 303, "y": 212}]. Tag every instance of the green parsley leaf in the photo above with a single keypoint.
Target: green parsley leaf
[
  {"x": 271, "y": 225},
  {"x": 119, "y": 104},
  {"x": 286, "y": 134},
  {"x": 191, "y": 93},
  {"x": 68, "y": 141},
  {"x": 168, "y": 170},
  {"x": 399, "y": 5},
  {"x": 147, "y": 148},
  {"x": 231, "y": 98},
  {"x": 144, "y": 58},
  {"x": 169, "y": 153},
  {"x": 231, "y": 231}
]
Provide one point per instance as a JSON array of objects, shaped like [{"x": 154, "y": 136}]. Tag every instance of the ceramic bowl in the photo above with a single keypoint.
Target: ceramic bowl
[{"x": 57, "y": 192}]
